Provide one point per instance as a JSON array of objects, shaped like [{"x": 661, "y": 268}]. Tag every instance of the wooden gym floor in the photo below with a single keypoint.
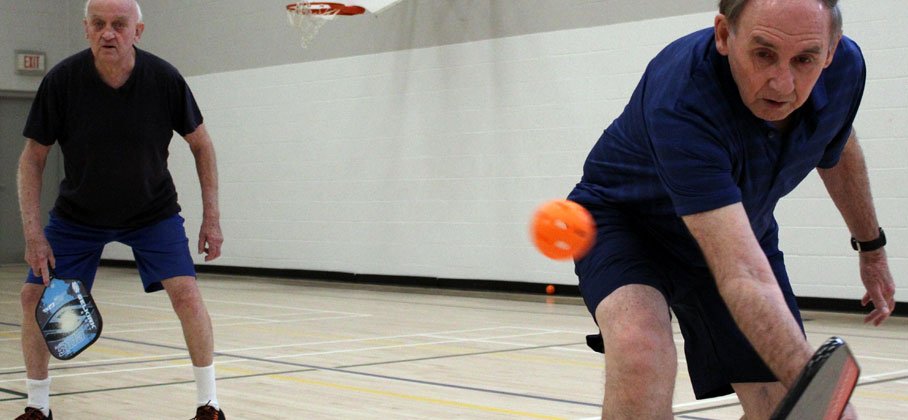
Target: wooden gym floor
[{"x": 294, "y": 349}]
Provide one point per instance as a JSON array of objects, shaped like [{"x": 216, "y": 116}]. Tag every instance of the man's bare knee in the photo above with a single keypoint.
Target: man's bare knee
[
  {"x": 29, "y": 297},
  {"x": 640, "y": 357},
  {"x": 183, "y": 293}
]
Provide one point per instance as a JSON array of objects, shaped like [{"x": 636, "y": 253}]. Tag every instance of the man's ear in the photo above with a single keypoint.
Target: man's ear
[
  {"x": 140, "y": 27},
  {"x": 85, "y": 27},
  {"x": 722, "y": 33},
  {"x": 832, "y": 47}
]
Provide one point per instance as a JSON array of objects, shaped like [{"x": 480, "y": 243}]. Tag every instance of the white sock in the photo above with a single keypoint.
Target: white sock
[
  {"x": 39, "y": 394},
  {"x": 206, "y": 390}
]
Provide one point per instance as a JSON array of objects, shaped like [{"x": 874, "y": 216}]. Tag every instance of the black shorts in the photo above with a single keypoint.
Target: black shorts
[{"x": 717, "y": 352}]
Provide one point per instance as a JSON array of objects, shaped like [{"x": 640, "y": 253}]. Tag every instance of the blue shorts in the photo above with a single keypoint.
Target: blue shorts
[
  {"x": 717, "y": 352},
  {"x": 161, "y": 250}
]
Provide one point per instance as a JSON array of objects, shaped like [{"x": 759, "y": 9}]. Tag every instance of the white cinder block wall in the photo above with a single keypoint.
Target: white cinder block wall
[
  {"x": 425, "y": 162},
  {"x": 430, "y": 161}
]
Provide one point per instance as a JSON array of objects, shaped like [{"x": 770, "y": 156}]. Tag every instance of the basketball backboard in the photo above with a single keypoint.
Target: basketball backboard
[{"x": 374, "y": 6}]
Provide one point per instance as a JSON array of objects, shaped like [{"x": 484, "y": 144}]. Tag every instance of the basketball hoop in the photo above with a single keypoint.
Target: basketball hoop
[{"x": 308, "y": 17}]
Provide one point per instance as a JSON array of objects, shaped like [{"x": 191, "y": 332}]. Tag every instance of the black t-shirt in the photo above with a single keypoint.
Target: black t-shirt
[{"x": 114, "y": 141}]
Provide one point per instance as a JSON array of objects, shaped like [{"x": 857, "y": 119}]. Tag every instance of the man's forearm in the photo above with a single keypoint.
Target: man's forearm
[
  {"x": 849, "y": 187},
  {"x": 206, "y": 167},
  {"x": 750, "y": 290},
  {"x": 763, "y": 316},
  {"x": 207, "y": 170},
  {"x": 29, "y": 180}
]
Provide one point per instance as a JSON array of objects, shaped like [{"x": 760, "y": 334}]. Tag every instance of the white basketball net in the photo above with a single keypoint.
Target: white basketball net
[{"x": 309, "y": 18}]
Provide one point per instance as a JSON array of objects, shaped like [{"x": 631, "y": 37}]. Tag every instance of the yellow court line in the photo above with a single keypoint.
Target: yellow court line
[
  {"x": 547, "y": 360},
  {"x": 110, "y": 351},
  {"x": 880, "y": 395},
  {"x": 429, "y": 400},
  {"x": 396, "y": 395}
]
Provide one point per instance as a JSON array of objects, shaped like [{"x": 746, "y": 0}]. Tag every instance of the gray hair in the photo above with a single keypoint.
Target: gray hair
[
  {"x": 732, "y": 10},
  {"x": 138, "y": 9}
]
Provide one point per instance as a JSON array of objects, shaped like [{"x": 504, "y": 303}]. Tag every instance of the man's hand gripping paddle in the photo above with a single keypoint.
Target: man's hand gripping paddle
[
  {"x": 824, "y": 387},
  {"x": 68, "y": 317}
]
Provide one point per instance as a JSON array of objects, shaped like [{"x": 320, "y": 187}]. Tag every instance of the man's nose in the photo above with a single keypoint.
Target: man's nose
[{"x": 782, "y": 79}]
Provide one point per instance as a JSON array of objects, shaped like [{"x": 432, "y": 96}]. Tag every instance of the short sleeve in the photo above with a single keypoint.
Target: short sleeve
[
  {"x": 849, "y": 52},
  {"x": 185, "y": 113},
  {"x": 45, "y": 118}
]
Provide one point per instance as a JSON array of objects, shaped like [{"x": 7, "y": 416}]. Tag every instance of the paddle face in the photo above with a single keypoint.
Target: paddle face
[
  {"x": 68, "y": 318},
  {"x": 824, "y": 387}
]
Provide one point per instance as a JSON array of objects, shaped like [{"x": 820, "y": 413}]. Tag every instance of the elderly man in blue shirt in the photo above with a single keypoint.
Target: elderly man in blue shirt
[{"x": 683, "y": 184}]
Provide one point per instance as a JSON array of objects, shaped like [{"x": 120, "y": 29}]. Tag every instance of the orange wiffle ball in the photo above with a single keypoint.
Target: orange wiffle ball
[{"x": 562, "y": 229}]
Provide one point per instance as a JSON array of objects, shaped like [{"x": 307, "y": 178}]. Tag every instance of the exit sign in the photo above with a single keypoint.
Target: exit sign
[{"x": 30, "y": 62}]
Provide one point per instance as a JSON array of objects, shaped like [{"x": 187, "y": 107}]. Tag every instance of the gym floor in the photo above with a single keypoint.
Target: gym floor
[{"x": 320, "y": 350}]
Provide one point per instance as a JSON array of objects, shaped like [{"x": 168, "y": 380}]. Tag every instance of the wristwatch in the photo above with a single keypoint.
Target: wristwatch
[{"x": 868, "y": 246}]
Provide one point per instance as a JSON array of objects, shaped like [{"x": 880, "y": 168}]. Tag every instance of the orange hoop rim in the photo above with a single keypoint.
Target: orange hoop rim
[{"x": 327, "y": 8}]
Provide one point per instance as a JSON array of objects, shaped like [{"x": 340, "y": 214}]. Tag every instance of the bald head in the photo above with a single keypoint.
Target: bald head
[
  {"x": 135, "y": 4},
  {"x": 732, "y": 10}
]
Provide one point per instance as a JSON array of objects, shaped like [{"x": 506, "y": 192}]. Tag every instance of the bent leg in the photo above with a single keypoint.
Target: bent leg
[
  {"x": 640, "y": 358},
  {"x": 186, "y": 300}
]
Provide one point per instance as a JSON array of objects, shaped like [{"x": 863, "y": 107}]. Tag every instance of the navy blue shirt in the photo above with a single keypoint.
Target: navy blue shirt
[
  {"x": 686, "y": 143},
  {"x": 114, "y": 141}
]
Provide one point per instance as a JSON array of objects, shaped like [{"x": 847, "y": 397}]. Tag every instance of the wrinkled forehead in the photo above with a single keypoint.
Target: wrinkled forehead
[
  {"x": 112, "y": 9},
  {"x": 791, "y": 16},
  {"x": 784, "y": 22}
]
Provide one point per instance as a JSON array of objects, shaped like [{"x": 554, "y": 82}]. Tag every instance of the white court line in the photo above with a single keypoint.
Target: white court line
[
  {"x": 295, "y": 310},
  {"x": 234, "y": 324},
  {"x": 75, "y": 364},
  {"x": 235, "y": 350},
  {"x": 70, "y": 363},
  {"x": 356, "y": 340},
  {"x": 883, "y": 375},
  {"x": 890, "y": 359},
  {"x": 108, "y": 331},
  {"x": 704, "y": 403},
  {"x": 268, "y": 305},
  {"x": 559, "y": 348},
  {"x": 491, "y": 341},
  {"x": 569, "y": 349},
  {"x": 240, "y": 360},
  {"x": 396, "y": 346}
]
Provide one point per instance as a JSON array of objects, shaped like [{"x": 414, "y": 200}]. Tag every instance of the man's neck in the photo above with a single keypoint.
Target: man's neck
[
  {"x": 115, "y": 74},
  {"x": 785, "y": 125}
]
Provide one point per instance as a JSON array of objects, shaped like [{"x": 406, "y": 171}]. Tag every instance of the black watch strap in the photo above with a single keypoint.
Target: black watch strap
[{"x": 868, "y": 246}]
